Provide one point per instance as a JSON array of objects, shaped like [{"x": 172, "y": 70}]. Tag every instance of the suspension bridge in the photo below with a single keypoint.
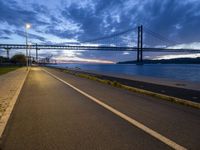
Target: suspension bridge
[{"x": 138, "y": 39}]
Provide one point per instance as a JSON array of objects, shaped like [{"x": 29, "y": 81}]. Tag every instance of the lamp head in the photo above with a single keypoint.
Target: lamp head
[{"x": 28, "y": 26}]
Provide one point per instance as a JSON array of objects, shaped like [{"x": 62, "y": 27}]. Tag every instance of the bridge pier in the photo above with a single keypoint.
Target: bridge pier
[
  {"x": 8, "y": 52},
  {"x": 140, "y": 45},
  {"x": 36, "y": 49}
]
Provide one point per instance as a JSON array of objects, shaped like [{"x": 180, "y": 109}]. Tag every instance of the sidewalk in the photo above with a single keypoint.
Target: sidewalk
[{"x": 9, "y": 84}]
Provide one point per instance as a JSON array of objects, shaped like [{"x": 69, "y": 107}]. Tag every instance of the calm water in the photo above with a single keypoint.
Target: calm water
[{"x": 187, "y": 72}]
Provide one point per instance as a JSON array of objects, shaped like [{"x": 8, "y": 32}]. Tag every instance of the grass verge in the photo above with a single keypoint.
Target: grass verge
[
  {"x": 6, "y": 69},
  {"x": 137, "y": 90}
]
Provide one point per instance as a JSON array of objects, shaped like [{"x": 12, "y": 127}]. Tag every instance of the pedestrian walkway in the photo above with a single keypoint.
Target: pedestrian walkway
[{"x": 9, "y": 83}]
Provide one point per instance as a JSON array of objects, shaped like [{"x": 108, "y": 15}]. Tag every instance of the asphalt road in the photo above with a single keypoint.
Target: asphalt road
[
  {"x": 183, "y": 93},
  {"x": 51, "y": 115}
]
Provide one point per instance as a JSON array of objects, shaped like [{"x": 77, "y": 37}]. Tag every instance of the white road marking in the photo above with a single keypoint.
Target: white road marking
[{"x": 139, "y": 125}]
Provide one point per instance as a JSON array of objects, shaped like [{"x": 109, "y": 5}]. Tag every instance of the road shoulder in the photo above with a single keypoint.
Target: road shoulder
[
  {"x": 11, "y": 85},
  {"x": 172, "y": 94}
]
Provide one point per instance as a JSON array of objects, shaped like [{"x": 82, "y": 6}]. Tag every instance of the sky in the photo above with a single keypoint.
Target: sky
[{"x": 72, "y": 21}]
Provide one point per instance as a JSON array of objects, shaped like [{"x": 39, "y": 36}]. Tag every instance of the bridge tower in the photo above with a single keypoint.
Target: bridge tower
[{"x": 140, "y": 45}]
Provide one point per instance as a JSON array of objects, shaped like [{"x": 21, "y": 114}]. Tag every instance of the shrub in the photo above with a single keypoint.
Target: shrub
[{"x": 19, "y": 59}]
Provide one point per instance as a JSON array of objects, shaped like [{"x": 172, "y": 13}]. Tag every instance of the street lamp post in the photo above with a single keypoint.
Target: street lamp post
[
  {"x": 30, "y": 61},
  {"x": 27, "y": 26}
]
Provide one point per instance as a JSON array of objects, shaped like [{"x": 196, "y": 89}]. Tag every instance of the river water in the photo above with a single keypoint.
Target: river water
[{"x": 186, "y": 72}]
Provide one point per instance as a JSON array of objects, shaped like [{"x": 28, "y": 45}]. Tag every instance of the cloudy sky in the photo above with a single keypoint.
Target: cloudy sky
[{"x": 71, "y": 21}]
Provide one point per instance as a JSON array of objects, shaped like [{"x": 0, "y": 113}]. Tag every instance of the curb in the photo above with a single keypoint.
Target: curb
[
  {"x": 164, "y": 97},
  {"x": 6, "y": 115}
]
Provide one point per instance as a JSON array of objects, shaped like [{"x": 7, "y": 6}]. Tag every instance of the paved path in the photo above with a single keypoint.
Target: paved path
[
  {"x": 9, "y": 84},
  {"x": 51, "y": 115}
]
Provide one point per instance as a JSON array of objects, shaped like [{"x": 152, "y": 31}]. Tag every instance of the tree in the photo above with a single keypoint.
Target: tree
[
  {"x": 19, "y": 59},
  {"x": 4, "y": 60}
]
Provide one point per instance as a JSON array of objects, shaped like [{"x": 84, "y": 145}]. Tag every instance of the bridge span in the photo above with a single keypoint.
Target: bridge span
[{"x": 99, "y": 46}]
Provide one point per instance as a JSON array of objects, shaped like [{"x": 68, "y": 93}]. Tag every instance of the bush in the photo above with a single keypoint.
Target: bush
[{"x": 19, "y": 59}]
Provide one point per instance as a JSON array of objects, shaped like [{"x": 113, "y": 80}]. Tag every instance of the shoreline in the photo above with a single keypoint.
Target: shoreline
[
  {"x": 190, "y": 85},
  {"x": 145, "y": 71}
]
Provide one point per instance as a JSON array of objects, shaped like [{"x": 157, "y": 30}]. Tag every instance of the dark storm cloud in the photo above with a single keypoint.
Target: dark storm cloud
[
  {"x": 17, "y": 16},
  {"x": 39, "y": 9},
  {"x": 90, "y": 23},
  {"x": 172, "y": 18},
  {"x": 98, "y": 21},
  {"x": 60, "y": 33},
  {"x": 166, "y": 16},
  {"x": 4, "y": 37},
  {"x": 31, "y": 36},
  {"x": 5, "y": 31}
]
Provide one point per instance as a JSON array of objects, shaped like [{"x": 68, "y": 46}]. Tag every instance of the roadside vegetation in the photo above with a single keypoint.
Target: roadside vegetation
[
  {"x": 18, "y": 59},
  {"x": 6, "y": 69},
  {"x": 7, "y": 65}
]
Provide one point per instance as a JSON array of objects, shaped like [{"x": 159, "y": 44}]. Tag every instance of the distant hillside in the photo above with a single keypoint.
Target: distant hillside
[{"x": 167, "y": 61}]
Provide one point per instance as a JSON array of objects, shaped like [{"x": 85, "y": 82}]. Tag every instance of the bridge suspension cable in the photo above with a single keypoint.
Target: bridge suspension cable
[
  {"x": 109, "y": 36},
  {"x": 160, "y": 37}
]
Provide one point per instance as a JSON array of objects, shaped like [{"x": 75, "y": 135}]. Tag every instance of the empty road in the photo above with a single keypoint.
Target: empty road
[{"x": 57, "y": 111}]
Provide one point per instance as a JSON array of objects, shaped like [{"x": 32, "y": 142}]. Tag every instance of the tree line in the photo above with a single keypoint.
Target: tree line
[{"x": 18, "y": 59}]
